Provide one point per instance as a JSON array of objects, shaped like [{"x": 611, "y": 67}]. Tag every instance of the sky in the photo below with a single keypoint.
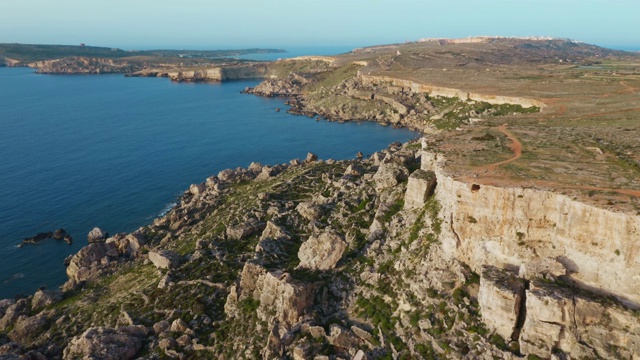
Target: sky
[{"x": 206, "y": 24}]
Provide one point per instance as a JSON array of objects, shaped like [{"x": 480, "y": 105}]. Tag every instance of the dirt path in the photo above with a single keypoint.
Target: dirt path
[
  {"x": 628, "y": 89},
  {"x": 516, "y": 147}
]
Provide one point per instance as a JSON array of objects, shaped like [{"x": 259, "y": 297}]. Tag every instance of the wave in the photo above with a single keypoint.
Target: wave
[{"x": 167, "y": 208}]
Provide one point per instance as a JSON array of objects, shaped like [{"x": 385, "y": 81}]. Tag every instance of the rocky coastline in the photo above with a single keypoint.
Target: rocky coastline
[{"x": 385, "y": 256}]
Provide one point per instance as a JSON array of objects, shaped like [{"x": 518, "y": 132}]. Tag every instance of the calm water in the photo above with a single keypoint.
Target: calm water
[{"x": 109, "y": 151}]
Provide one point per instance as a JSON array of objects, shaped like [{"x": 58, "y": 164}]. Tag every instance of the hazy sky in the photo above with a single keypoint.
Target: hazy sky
[{"x": 242, "y": 23}]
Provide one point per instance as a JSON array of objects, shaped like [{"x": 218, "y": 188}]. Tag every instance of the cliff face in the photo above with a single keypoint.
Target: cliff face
[
  {"x": 213, "y": 74},
  {"x": 512, "y": 227}
]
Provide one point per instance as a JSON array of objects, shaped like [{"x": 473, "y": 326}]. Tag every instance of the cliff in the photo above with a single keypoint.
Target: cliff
[{"x": 214, "y": 74}]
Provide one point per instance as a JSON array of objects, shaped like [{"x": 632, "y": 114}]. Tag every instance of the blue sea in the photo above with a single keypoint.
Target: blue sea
[{"x": 104, "y": 150}]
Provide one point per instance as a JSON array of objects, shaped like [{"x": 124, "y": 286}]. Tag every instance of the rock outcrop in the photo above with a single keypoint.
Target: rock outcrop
[
  {"x": 103, "y": 343},
  {"x": 321, "y": 252},
  {"x": 420, "y": 186},
  {"x": 501, "y": 297},
  {"x": 97, "y": 235},
  {"x": 164, "y": 259}
]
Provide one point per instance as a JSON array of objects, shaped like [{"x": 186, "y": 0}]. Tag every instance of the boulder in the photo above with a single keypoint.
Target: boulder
[
  {"x": 97, "y": 235},
  {"x": 161, "y": 326},
  {"x": 389, "y": 175},
  {"x": 27, "y": 328},
  {"x": 273, "y": 240},
  {"x": 354, "y": 170},
  {"x": 500, "y": 296},
  {"x": 138, "y": 331},
  {"x": 127, "y": 244},
  {"x": 543, "y": 267},
  {"x": 244, "y": 230},
  {"x": 38, "y": 237},
  {"x": 280, "y": 297},
  {"x": 311, "y": 157},
  {"x": 44, "y": 298},
  {"x": 102, "y": 343},
  {"x": 85, "y": 262},
  {"x": 420, "y": 186},
  {"x": 197, "y": 189},
  {"x": 321, "y": 252},
  {"x": 68, "y": 239},
  {"x": 164, "y": 259},
  {"x": 309, "y": 211},
  {"x": 342, "y": 338},
  {"x": 59, "y": 234},
  {"x": 12, "y": 313},
  {"x": 179, "y": 326}
]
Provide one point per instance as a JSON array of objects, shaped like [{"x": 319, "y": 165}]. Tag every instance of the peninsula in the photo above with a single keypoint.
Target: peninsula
[{"x": 510, "y": 230}]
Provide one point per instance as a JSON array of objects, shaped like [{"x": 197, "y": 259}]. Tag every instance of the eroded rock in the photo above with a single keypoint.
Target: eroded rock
[
  {"x": 500, "y": 296},
  {"x": 102, "y": 343},
  {"x": 321, "y": 252},
  {"x": 419, "y": 187},
  {"x": 97, "y": 235},
  {"x": 164, "y": 259}
]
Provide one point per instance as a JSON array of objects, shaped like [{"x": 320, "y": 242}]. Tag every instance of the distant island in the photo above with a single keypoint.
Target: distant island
[{"x": 93, "y": 59}]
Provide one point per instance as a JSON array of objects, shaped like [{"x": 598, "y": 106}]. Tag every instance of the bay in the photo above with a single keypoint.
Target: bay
[{"x": 83, "y": 151}]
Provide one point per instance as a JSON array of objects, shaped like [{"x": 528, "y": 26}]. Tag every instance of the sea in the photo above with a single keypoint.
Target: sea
[{"x": 80, "y": 151}]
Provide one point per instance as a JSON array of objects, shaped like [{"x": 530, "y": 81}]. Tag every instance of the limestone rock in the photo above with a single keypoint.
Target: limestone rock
[
  {"x": 179, "y": 326},
  {"x": 244, "y": 230},
  {"x": 125, "y": 244},
  {"x": 311, "y": 157},
  {"x": 341, "y": 337},
  {"x": 12, "y": 313},
  {"x": 389, "y": 175},
  {"x": 354, "y": 170},
  {"x": 44, "y": 298},
  {"x": 26, "y": 327},
  {"x": 164, "y": 259},
  {"x": 321, "y": 252},
  {"x": 578, "y": 323},
  {"x": 197, "y": 189},
  {"x": 420, "y": 186},
  {"x": 309, "y": 211},
  {"x": 280, "y": 297},
  {"x": 168, "y": 343},
  {"x": 85, "y": 263},
  {"x": 500, "y": 296},
  {"x": 544, "y": 267},
  {"x": 161, "y": 326},
  {"x": 97, "y": 235},
  {"x": 59, "y": 234},
  {"x": 102, "y": 343},
  {"x": 273, "y": 241}
]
